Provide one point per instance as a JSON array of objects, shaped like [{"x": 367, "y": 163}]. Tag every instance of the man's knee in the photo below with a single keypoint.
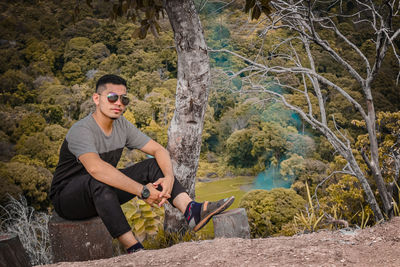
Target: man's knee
[{"x": 102, "y": 190}]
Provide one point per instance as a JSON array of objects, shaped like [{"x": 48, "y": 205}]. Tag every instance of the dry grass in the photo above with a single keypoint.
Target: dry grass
[{"x": 30, "y": 226}]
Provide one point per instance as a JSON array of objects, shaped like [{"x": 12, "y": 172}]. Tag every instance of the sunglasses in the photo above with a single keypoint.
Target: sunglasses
[{"x": 113, "y": 97}]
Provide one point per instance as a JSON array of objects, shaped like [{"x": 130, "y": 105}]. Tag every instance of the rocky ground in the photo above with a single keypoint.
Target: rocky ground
[{"x": 376, "y": 246}]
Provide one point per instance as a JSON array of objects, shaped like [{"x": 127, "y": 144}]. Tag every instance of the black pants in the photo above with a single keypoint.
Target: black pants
[{"x": 85, "y": 197}]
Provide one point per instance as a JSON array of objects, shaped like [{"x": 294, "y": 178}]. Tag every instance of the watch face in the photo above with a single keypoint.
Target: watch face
[{"x": 145, "y": 192}]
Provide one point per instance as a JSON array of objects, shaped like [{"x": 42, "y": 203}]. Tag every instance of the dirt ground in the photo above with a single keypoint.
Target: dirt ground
[{"x": 376, "y": 246}]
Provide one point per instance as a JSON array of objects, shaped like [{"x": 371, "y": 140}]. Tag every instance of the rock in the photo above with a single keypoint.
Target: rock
[
  {"x": 232, "y": 223},
  {"x": 79, "y": 240},
  {"x": 12, "y": 252}
]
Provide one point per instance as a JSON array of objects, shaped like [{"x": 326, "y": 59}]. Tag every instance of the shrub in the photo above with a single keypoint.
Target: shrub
[
  {"x": 29, "y": 125},
  {"x": 268, "y": 211},
  {"x": 39, "y": 146},
  {"x": 33, "y": 181},
  {"x": 7, "y": 189},
  {"x": 76, "y": 48},
  {"x": 73, "y": 73}
]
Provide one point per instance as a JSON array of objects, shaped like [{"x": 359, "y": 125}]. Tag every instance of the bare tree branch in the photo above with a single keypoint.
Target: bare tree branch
[{"x": 308, "y": 22}]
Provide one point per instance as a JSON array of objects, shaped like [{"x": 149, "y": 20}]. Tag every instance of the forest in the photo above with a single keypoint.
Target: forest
[{"x": 52, "y": 56}]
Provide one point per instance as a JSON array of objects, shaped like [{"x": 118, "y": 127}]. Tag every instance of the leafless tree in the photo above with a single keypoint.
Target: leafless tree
[{"x": 307, "y": 21}]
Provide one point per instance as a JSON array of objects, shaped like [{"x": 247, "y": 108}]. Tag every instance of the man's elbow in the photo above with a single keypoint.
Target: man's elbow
[
  {"x": 94, "y": 169},
  {"x": 166, "y": 151},
  {"x": 163, "y": 151}
]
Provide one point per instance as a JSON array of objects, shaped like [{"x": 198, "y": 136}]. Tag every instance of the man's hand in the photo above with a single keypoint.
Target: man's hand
[
  {"x": 154, "y": 197},
  {"x": 166, "y": 183}
]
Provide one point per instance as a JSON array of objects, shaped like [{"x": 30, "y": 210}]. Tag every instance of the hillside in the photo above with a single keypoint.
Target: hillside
[{"x": 376, "y": 246}]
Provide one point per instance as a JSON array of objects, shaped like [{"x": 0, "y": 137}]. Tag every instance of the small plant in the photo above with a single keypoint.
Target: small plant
[
  {"x": 165, "y": 239},
  {"x": 31, "y": 228},
  {"x": 144, "y": 219},
  {"x": 364, "y": 219},
  {"x": 308, "y": 220}
]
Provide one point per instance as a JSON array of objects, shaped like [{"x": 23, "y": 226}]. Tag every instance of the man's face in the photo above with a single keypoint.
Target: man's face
[{"x": 108, "y": 109}]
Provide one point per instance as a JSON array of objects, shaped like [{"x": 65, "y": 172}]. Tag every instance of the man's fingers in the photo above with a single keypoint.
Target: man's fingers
[
  {"x": 163, "y": 192},
  {"x": 157, "y": 183},
  {"x": 162, "y": 202},
  {"x": 165, "y": 195}
]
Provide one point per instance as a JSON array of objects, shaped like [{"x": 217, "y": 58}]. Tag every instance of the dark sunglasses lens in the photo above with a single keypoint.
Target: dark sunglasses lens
[
  {"x": 112, "y": 98},
  {"x": 124, "y": 100}
]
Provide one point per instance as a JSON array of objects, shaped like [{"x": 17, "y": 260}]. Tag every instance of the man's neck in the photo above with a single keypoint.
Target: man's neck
[{"x": 104, "y": 122}]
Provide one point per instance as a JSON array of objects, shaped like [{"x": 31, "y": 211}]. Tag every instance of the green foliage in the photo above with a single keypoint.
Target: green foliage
[
  {"x": 292, "y": 167},
  {"x": 111, "y": 64},
  {"x": 40, "y": 57},
  {"x": 313, "y": 173},
  {"x": 97, "y": 53},
  {"x": 11, "y": 58},
  {"x": 310, "y": 219},
  {"x": 301, "y": 144},
  {"x": 157, "y": 132},
  {"x": 76, "y": 48},
  {"x": 239, "y": 148},
  {"x": 145, "y": 220},
  {"x": 34, "y": 181},
  {"x": 55, "y": 96},
  {"x": 268, "y": 211},
  {"x": 142, "y": 113},
  {"x": 73, "y": 73},
  {"x": 16, "y": 88},
  {"x": 271, "y": 142},
  {"x": 53, "y": 114},
  {"x": 143, "y": 83},
  {"x": 39, "y": 146},
  {"x": 28, "y": 125},
  {"x": 210, "y": 133},
  {"x": 388, "y": 124},
  {"x": 8, "y": 188},
  {"x": 346, "y": 197},
  {"x": 165, "y": 239},
  {"x": 42, "y": 144},
  {"x": 9, "y": 118},
  {"x": 56, "y": 133}
]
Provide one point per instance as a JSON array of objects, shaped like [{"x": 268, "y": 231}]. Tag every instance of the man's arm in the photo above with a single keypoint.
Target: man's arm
[
  {"x": 108, "y": 174},
  {"x": 164, "y": 161}
]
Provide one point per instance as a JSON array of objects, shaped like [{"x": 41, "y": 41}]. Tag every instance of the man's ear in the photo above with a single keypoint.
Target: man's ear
[{"x": 96, "y": 98}]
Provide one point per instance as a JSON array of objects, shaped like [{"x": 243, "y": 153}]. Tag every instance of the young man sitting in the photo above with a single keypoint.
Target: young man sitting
[{"x": 87, "y": 183}]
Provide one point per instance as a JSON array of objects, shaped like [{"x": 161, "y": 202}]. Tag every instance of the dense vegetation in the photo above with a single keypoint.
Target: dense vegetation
[{"x": 50, "y": 63}]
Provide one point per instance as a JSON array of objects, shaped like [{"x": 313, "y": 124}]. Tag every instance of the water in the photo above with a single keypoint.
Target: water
[{"x": 270, "y": 179}]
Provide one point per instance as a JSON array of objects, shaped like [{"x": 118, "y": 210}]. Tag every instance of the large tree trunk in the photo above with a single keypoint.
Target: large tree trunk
[{"x": 191, "y": 100}]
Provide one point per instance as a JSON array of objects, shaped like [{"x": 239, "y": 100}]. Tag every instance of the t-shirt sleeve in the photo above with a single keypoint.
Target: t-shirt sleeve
[
  {"x": 80, "y": 141},
  {"x": 135, "y": 138}
]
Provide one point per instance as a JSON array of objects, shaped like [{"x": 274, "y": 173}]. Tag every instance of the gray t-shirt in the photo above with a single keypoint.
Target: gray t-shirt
[{"x": 86, "y": 136}]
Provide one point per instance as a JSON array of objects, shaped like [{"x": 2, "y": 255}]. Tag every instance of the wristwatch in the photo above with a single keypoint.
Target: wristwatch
[{"x": 145, "y": 193}]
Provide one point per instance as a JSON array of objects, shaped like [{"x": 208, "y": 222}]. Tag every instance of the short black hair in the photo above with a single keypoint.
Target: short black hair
[{"x": 110, "y": 78}]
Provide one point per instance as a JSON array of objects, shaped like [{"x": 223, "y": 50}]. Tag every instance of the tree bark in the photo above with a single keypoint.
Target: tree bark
[
  {"x": 374, "y": 164},
  {"x": 184, "y": 134}
]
